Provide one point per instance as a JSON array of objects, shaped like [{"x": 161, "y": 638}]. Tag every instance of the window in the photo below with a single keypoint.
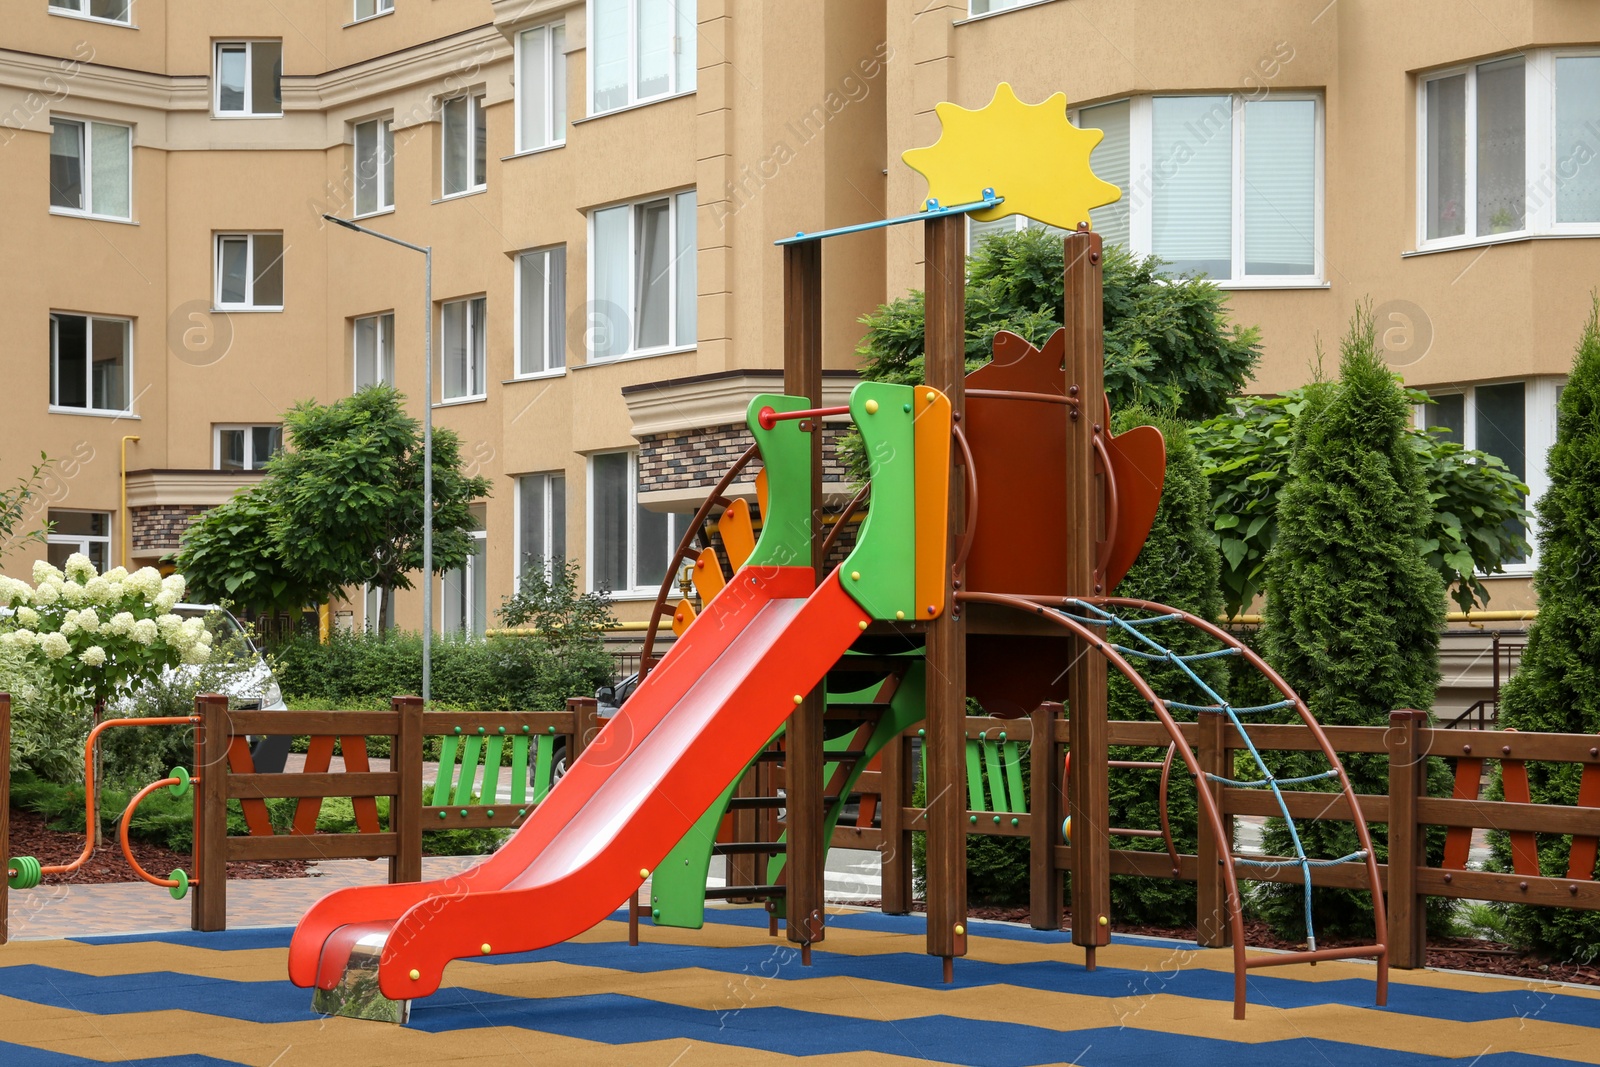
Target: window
[
  {"x": 1513, "y": 421},
  {"x": 640, "y": 50},
  {"x": 247, "y": 78},
  {"x": 628, "y": 545},
  {"x": 541, "y": 87},
  {"x": 105, "y": 10},
  {"x": 366, "y": 9},
  {"x": 1226, "y": 186},
  {"x": 88, "y": 532},
  {"x": 91, "y": 364},
  {"x": 247, "y": 448},
  {"x": 988, "y": 7},
  {"x": 91, "y": 164},
  {"x": 541, "y": 311},
  {"x": 642, "y": 283},
  {"x": 377, "y": 609},
  {"x": 464, "y": 592},
  {"x": 250, "y": 271},
  {"x": 374, "y": 346},
  {"x": 1511, "y": 147},
  {"x": 461, "y": 349},
  {"x": 541, "y": 520},
  {"x": 465, "y": 146},
  {"x": 374, "y": 151}
]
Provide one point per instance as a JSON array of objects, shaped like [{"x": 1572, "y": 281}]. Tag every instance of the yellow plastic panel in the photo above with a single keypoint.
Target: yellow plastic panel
[
  {"x": 761, "y": 492},
  {"x": 682, "y": 617},
  {"x": 707, "y": 575}
]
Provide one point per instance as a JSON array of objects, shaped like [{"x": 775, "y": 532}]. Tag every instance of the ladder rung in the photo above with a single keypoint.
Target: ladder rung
[
  {"x": 745, "y": 848},
  {"x": 741, "y": 803},
  {"x": 725, "y": 892}
]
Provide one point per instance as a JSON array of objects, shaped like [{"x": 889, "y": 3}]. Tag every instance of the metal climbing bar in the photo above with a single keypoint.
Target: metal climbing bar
[
  {"x": 1303, "y": 861},
  {"x": 1324, "y": 776},
  {"x": 1214, "y": 709},
  {"x": 1192, "y": 657}
]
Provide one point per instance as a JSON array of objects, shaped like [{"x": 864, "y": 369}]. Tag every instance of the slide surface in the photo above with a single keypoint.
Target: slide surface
[{"x": 696, "y": 720}]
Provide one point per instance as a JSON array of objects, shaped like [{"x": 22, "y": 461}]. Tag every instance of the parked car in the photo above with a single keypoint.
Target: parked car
[{"x": 255, "y": 688}]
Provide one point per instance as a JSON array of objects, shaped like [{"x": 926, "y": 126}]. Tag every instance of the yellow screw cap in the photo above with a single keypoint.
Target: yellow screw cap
[
  {"x": 899, "y": 614},
  {"x": 484, "y": 948},
  {"x": 855, "y": 576},
  {"x": 1104, "y": 921},
  {"x": 960, "y": 929},
  {"x": 928, "y": 396},
  {"x": 798, "y": 699},
  {"x": 872, "y": 407},
  {"x": 644, "y": 872},
  {"x": 863, "y": 624},
  {"x": 416, "y": 975}
]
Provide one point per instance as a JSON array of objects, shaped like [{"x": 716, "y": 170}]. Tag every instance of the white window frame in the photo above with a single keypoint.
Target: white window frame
[
  {"x": 474, "y": 328},
  {"x": 379, "y": 9},
  {"x": 554, "y": 340},
  {"x": 1539, "y": 398},
  {"x": 384, "y": 332},
  {"x": 249, "y": 270},
  {"x": 249, "y": 112},
  {"x": 55, "y": 353},
  {"x": 634, "y": 99},
  {"x": 1141, "y": 179},
  {"x": 81, "y": 542},
  {"x": 1541, "y": 169},
  {"x": 383, "y": 128},
  {"x": 468, "y": 571},
  {"x": 1007, "y": 5},
  {"x": 634, "y": 591},
  {"x": 555, "y": 134},
  {"x": 633, "y": 275},
  {"x": 369, "y": 617},
  {"x": 249, "y": 442},
  {"x": 475, "y": 114},
  {"x": 79, "y": 9},
  {"x": 86, "y": 155},
  {"x": 519, "y": 552}
]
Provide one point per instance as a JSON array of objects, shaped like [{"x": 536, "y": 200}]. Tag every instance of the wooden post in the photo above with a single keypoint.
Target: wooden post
[
  {"x": 1212, "y": 856},
  {"x": 405, "y": 807},
  {"x": 585, "y": 724},
  {"x": 945, "y": 281},
  {"x": 1408, "y": 780},
  {"x": 209, "y": 907},
  {"x": 1087, "y": 788},
  {"x": 1044, "y": 809},
  {"x": 747, "y": 868},
  {"x": 802, "y": 376},
  {"x": 895, "y": 846},
  {"x": 5, "y": 813}
]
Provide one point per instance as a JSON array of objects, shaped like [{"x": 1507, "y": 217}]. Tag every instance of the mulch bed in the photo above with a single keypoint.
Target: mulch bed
[
  {"x": 1444, "y": 953},
  {"x": 31, "y": 837}
]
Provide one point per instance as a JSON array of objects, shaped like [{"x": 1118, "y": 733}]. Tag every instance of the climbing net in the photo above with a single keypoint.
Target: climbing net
[{"x": 1139, "y": 645}]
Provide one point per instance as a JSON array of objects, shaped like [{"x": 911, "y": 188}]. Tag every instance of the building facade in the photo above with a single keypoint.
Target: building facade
[{"x": 601, "y": 183}]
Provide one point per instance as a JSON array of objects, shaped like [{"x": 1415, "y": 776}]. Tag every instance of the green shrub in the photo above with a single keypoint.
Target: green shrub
[{"x": 1557, "y": 686}]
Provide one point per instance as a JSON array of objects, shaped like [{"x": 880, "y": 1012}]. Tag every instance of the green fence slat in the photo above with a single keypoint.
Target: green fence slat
[
  {"x": 491, "y": 769},
  {"x": 543, "y": 767},
  {"x": 447, "y": 771},
  {"x": 995, "y": 773},
  {"x": 975, "y": 801},
  {"x": 519, "y": 770},
  {"x": 1013, "y": 761},
  {"x": 469, "y": 769}
]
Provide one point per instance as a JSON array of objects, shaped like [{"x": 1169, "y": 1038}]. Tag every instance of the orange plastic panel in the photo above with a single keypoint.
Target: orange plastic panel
[
  {"x": 1524, "y": 846},
  {"x": 1458, "y": 839},
  {"x": 319, "y": 757},
  {"x": 240, "y": 761},
  {"x": 761, "y": 492},
  {"x": 707, "y": 575},
  {"x": 355, "y": 762},
  {"x": 738, "y": 533},
  {"x": 1139, "y": 464},
  {"x": 931, "y": 448},
  {"x": 682, "y": 617},
  {"x": 1581, "y": 860}
]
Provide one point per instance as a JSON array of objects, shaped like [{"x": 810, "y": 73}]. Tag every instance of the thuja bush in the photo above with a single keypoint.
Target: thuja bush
[
  {"x": 1557, "y": 687},
  {"x": 1354, "y": 611}
]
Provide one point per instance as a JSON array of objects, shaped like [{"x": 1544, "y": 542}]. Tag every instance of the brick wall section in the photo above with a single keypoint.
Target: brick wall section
[
  {"x": 697, "y": 459},
  {"x": 157, "y": 529}
]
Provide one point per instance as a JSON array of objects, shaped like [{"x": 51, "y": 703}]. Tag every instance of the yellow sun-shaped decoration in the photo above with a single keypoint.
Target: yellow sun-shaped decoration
[{"x": 1029, "y": 154}]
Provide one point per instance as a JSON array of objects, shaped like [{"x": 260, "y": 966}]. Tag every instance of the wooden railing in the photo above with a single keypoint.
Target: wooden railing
[
  {"x": 1406, "y": 808},
  {"x": 5, "y": 813}
]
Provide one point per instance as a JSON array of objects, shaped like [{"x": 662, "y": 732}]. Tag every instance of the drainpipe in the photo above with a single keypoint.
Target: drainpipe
[{"x": 127, "y": 517}]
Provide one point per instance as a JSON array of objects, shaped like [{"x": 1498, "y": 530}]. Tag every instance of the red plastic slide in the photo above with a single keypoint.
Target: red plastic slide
[{"x": 696, "y": 720}]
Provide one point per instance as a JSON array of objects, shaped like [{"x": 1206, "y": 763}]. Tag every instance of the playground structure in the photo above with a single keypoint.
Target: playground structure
[{"x": 999, "y": 517}]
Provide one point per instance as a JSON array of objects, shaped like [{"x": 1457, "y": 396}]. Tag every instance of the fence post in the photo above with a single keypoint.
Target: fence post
[
  {"x": 209, "y": 908},
  {"x": 1211, "y": 918},
  {"x": 1044, "y": 811},
  {"x": 584, "y": 718},
  {"x": 5, "y": 813},
  {"x": 1408, "y": 780},
  {"x": 894, "y": 794},
  {"x": 405, "y": 807}
]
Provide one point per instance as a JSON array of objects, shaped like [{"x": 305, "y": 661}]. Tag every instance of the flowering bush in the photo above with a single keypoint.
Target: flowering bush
[{"x": 100, "y": 634}]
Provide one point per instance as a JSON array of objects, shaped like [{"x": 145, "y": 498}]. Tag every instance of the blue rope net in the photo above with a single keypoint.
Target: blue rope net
[{"x": 1153, "y": 650}]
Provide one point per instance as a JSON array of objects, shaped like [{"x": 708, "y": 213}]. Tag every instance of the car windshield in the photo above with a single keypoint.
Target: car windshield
[{"x": 222, "y": 625}]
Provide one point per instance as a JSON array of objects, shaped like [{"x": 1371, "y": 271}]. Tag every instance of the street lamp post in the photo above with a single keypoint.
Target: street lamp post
[{"x": 427, "y": 441}]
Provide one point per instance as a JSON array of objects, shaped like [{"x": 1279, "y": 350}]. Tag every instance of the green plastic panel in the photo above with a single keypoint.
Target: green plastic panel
[
  {"x": 519, "y": 770},
  {"x": 469, "y": 769},
  {"x": 447, "y": 770},
  {"x": 678, "y": 885},
  {"x": 976, "y": 800},
  {"x": 543, "y": 766},
  {"x": 1012, "y": 753},
  {"x": 880, "y": 572},
  {"x": 491, "y": 769},
  {"x": 996, "y": 771},
  {"x": 785, "y": 539}
]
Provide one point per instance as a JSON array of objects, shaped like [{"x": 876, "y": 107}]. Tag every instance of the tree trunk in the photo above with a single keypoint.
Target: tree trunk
[{"x": 99, "y": 775}]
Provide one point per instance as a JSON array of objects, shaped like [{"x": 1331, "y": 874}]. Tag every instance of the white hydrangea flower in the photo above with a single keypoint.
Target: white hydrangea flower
[
  {"x": 93, "y": 656},
  {"x": 14, "y": 592},
  {"x": 43, "y": 571},
  {"x": 143, "y": 632},
  {"x": 69, "y": 625},
  {"x": 196, "y": 653},
  {"x": 176, "y": 584},
  {"x": 74, "y": 594},
  {"x": 97, "y": 589},
  {"x": 206, "y": 638},
  {"x": 28, "y": 617},
  {"x": 168, "y": 624},
  {"x": 121, "y": 623},
  {"x": 55, "y": 646},
  {"x": 117, "y": 574},
  {"x": 115, "y": 592},
  {"x": 25, "y": 638},
  {"x": 89, "y": 620},
  {"x": 47, "y": 594},
  {"x": 147, "y": 580},
  {"x": 194, "y": 628},
  {"x": 164, "y": 600},
  {"x": 79, "y": 569}
]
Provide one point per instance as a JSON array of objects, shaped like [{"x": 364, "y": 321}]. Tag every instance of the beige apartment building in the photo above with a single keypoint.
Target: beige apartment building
[{"x": 601, "y": 184}]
